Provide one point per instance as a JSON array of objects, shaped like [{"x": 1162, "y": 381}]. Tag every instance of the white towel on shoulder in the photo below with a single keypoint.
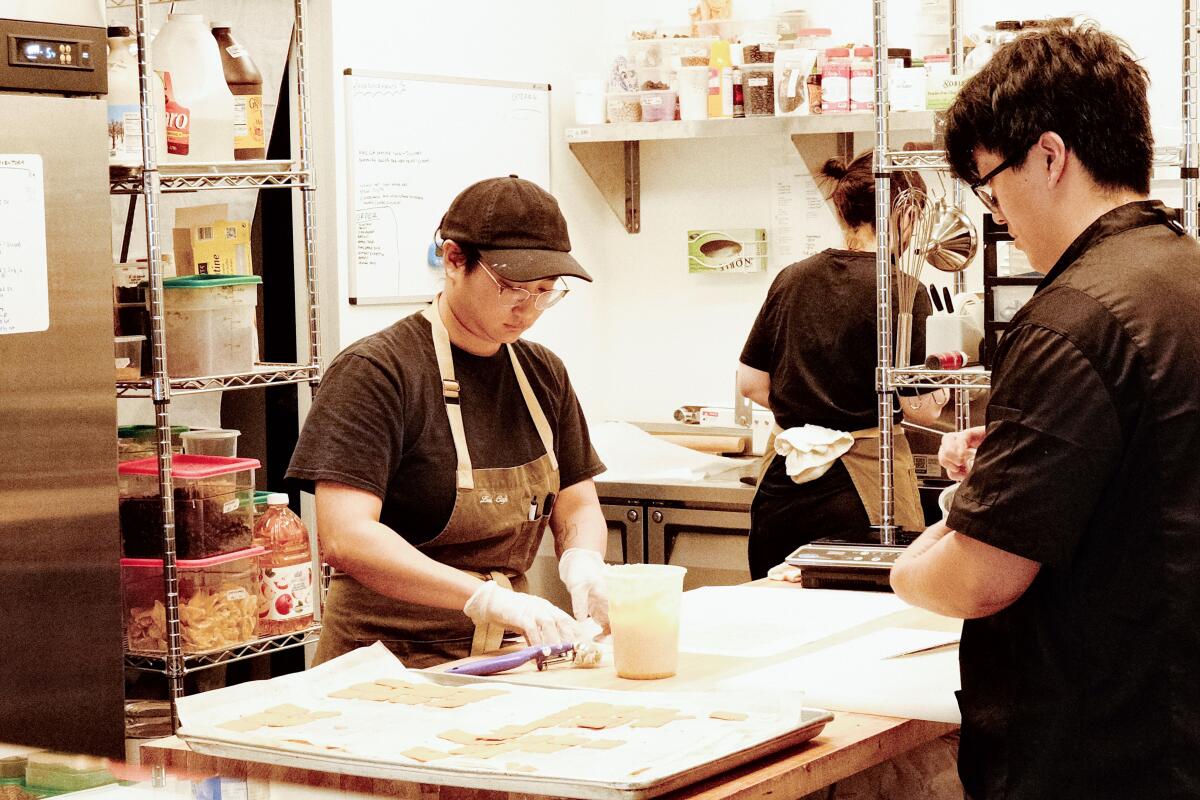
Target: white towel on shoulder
[{"x": 810, "y": 450}]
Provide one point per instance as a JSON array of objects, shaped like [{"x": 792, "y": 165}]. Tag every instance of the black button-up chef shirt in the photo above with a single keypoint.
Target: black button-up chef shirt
[{"x": 1088, "y": 686}]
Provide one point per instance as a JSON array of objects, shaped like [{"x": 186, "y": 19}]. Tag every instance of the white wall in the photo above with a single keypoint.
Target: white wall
[{"x": 646, "y": 336}]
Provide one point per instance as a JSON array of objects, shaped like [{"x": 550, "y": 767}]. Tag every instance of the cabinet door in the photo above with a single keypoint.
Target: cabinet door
[{"x": 710, "y": 544}]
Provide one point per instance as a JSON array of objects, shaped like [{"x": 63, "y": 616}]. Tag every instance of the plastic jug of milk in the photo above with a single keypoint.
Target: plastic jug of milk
[{"x": 199, "y": 105}]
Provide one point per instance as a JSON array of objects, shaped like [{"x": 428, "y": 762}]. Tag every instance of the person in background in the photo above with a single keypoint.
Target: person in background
[
  {"x": 1072, "y": 547},
  {"x": 441, "y": 447},
  {"x": 811, "y": 358}
]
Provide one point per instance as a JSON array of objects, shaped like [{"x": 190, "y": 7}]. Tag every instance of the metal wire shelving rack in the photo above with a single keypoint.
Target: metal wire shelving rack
[
  {"x": 150, "y": 181},
  {"x": 888, "y": 378}
]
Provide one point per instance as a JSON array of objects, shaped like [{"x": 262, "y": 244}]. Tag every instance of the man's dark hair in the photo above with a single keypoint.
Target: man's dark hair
[
  {"x": 853, "y": 192},
  {"x": 1078, "y": 82}
]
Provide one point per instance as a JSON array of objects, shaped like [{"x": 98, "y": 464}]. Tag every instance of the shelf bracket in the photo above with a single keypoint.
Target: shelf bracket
[{"x": 621, "y": 187}]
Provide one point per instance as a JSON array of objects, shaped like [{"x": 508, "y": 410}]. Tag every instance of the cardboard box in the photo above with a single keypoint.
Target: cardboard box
[{"x": 207, "y": 243}]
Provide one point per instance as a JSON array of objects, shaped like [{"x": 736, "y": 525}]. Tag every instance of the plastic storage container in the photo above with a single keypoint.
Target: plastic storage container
[
  {"x": 199, "y": 108},
  {"x": 127, "y": 351},
  {"x": 624, "y": 106},
  {"x": 138, "y": 441},
  {"x": 658, "y": 105},
  {"x": 59, "y": 772},
  {"x": 210, "y": 323},
  {"x": 218, "y": 602},
  {"x": 214, "y": 511},
  {"x": 692, "y": 85},
  {"x": 862, "y": 79},
  {"x": 835, "y": 81},
  {"x": 211, "y": 442},
  {"x": 645, "y": 54},
  {"x": 687, "y": 52},
  {"x": 285, "y": 598}
]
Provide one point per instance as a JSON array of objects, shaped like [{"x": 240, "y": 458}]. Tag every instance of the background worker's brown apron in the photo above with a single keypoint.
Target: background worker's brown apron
[
  {"x": 862, "y": 462},
  {"x": 489, "y": 535}
]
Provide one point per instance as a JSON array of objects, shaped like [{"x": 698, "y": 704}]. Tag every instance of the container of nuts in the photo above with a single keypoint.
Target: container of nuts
[
  {"x": 624, "y": 106},
  {"x": 758, "y": 89}
]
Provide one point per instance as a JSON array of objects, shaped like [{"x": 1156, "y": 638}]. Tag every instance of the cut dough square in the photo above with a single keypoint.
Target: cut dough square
[
  {"x": 424, "y": 754},
  {"x": 732, "y": 716}
]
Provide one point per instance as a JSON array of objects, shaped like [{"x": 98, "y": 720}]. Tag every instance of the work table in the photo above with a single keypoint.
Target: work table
[{"x": 851, "y": 743}]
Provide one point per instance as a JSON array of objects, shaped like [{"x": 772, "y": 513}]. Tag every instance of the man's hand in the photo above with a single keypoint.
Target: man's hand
[
  {"x": 538, "y": 619},
  {"x": 957, "y": 452},
  {"x": 582, "y": 572}
]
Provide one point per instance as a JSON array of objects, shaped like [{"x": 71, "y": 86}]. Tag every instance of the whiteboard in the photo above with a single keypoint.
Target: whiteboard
[{"x": 413, "y": 143}]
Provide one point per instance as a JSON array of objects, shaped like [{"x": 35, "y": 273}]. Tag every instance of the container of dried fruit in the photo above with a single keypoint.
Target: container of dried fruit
[
  {"x": 658, "y": 105},
  {"x": 214, "y": 506},
  {"x": 687, "y": 51},
  {"x": 758, "y": 89},
  {"x": 218, "y": 602}
]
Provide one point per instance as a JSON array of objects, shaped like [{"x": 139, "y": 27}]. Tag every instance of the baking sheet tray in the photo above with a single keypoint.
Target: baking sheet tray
[{"x": 678, "y": 754}]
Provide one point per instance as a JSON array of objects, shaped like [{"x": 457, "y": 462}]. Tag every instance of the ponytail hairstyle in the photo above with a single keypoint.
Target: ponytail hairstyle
[{"x": 853, "y": 193}]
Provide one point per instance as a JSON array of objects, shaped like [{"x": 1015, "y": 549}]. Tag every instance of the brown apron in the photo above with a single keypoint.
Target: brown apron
[
  {"x": 862, "y": 462},
  {"x": 489, "y": 534}
]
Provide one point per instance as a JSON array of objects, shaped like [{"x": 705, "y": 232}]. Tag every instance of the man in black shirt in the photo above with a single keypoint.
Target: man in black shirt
[{"x": 1072, "y": 547}]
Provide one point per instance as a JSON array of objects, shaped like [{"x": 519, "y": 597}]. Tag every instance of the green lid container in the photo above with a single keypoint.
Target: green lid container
[
  {"x": 209, "y": 281},
  {"x": 59, "y": 772}
]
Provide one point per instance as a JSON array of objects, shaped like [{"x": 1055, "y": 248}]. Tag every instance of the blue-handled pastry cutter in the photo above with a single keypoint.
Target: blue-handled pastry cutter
[{"x": 583, "y": 654}]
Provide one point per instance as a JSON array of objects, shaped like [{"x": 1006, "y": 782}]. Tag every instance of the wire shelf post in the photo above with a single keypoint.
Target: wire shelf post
[
  {"x": 883, "y": 263},
  {"x": 1189, "y": 171}
]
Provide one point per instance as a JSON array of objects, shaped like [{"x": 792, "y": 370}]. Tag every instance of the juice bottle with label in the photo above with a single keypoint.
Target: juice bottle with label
[
  {"x": 245, "y": 82},
  {"x": 285, "y": 596}
]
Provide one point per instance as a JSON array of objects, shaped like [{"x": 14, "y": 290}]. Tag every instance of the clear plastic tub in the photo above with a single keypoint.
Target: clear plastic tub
[
  {"x": 214, "y": 511},
  {"x": 645, "y": 54},
  {"x": 211, "y": 442},
  {"x": 692, "y": 83},
  {"x": 658, "y": 105},
  {"x": 687, "y": 52},
  {"x": 59, "y": 772},
  {"x": 624, "y": 106},
  {"x": 210, "y": 324},
  {"x": 218, "y": 602},
  {"x": 138, "y": 441},
  {"x": 644, "y": 601},
  {"x": 128, "y": 353}
]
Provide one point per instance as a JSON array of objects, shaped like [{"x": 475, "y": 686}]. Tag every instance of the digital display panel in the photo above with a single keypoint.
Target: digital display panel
[{"x": 51, "y": 52}]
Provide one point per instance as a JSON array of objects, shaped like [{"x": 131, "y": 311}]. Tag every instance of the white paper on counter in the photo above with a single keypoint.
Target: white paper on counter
[
  {"x": 753, "y": 621},
  {"x": 631, "y": 454},
  {"x": 375, "y": 733},
  {"x": 862, "y": 676}
]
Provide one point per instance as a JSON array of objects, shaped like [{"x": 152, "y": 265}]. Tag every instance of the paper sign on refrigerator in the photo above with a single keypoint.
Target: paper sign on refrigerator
[{"x": 24, "y": 286}]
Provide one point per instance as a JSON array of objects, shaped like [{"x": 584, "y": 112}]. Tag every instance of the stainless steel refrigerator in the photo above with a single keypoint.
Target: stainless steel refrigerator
[{"x": 60, "y": 618}]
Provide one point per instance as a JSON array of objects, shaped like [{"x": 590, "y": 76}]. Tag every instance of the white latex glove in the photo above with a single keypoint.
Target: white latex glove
[
  {"x": 539, "y": 620},
  {"x": 582, "y": 572},
  {"x": 957, "y": 451}
]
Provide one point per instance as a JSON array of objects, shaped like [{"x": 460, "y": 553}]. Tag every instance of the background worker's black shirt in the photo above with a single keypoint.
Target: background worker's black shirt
[
  {"x": 816, "y": 337},
  {"x": 1088, "y": 686}
]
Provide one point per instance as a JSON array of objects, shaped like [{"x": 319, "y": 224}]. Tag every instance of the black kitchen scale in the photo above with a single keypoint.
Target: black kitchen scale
[{"x": 838, "y": 564}]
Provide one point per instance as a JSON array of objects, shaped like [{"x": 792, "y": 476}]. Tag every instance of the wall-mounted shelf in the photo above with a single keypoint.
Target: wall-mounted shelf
[
  {"x": 611, "y": 153},
  {"x": 263, "y": 375},
  {"x": 220, "y": 175}
]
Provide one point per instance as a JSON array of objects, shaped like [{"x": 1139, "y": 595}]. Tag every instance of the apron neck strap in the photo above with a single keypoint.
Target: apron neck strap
[{"x": 450, "y": 395}]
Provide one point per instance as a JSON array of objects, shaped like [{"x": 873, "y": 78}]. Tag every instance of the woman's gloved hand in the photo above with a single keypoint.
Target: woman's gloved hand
[
  {"x": 539, "y": 620},
  {"x": 582, "y": 572}
]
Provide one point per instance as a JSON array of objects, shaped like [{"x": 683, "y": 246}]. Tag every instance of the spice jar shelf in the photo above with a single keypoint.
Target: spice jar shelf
[
  {"x": 281, "y": 174},
  {"x": 195, "y": 662},
  {"x": 263, "y": 375},
  {"x": 611, "y": 153}
]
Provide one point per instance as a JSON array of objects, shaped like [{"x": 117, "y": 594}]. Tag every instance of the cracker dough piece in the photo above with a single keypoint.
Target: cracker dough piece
[
  {"x": 603, "y": 744},
  {"x": 511, "y": 731},
  {"x": 349, "y": 693},
  {"x": 592, "y": 724},
  {"x": 570, "y": 740},
  {"x": 406, "y": 700},
  {"x": 592, "y": 710},
  {"x": 287, "y": 710},
  {"x": 458, "y": 737},
  {"x": 314, "y": 715},
  {"x": 638, "y": 771},
  {"x": 395, "y": 683},
  {"x": 432, "y": 691},
  {"x": 243, "y": 725},
  {"x": 732, "y": 716},
  {"x": 483, "y": 694},
  {"x": 512, "y": 766},
  {"x": 447, "y": 703},
  {"x": 424, "y": 754}
]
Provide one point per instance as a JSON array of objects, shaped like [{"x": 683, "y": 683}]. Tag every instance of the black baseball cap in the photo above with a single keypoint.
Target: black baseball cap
[{"x": 517, "y": 227}]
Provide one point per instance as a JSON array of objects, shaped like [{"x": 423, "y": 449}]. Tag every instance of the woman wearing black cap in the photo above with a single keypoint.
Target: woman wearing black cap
[
  {"x": 441, "y": 447},
  {"x": 811, "y": 358}
]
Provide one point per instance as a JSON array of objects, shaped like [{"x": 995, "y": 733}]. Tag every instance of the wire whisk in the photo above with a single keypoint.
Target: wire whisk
[{"x": 913, "y": 216}]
